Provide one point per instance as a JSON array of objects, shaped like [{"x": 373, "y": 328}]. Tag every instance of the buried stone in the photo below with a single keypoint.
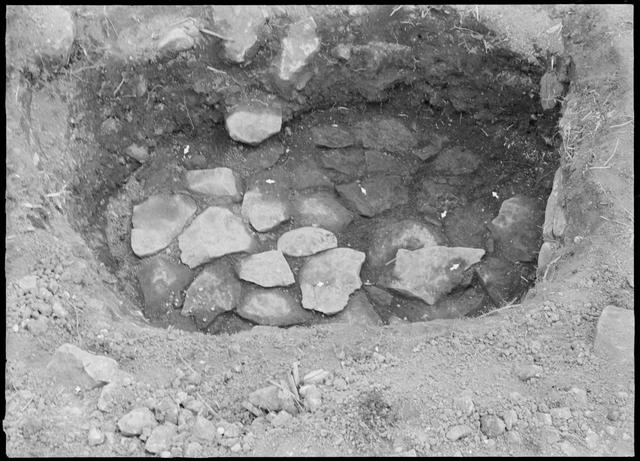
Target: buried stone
[
  {"x": 517, "y": 228},
  {"x": 358, "y": 311},
  {"x": 332, "y": 137},
  {"x": 385, "y": 134},
  {"x": 375, "y": 194},
  {"x": 267, "y": 269},
  {"x": 306, "y": 241},
  {"x": 215, "y": 182},
  {"x": 323, "y": 210},
  {"x": 265, "y": 209},
  {"x": 272, "y": 307},
  {"x": 161, "y": 281}
]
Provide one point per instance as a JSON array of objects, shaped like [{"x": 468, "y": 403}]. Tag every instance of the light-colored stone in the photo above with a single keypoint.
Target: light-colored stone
[
  {"x": 516, "y": 229},
  {"x": 358, "y": 311},
  {"x": 158, "y": 220},
  {"x": 98, "y": 367},
  {"x": 375, "y": 194},
  {"x": 239, "y": 24},
  {"x": 327, "y": 279},
  {"x": 491, "y": 425},
  {"x": 458, "y": 431},
  {"x": 272, "y": 307},
  {"x": 95, "y": 437},
  {"x": 216, "y": 182},
  {"x": 267, "y": 269},
  {"x": 252, "y": 124},
  {"x": 555, "y": 221},
  {"x": 615, "y": 333},
  {"x": 501, "y": 279},
  {"x": 391, "y": 235},
  {"x": 464, "y": 403},
  {"x": 266, "y": 398},
  {"x": 264, "y": 210},
  {"x": 312, "y": 397},
  {"x": 306, "y": 241},
  {"x": 546, "y": 255},
  {"x": 134, "y": 422},
  {"x": 430, "y": 272},
  {"x": 203, "y": 429},
  {"x": 300, "y": 44},
  {"x": 323, "y": 210},
  {"x": 179, "y": 38},
  {"x": 161, "y": 438},
  {"x": 214, "y": 233},
  {"x": 137, "y": 152}
]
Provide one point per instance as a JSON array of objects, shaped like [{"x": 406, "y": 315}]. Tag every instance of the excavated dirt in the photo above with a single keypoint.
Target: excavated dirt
[{"x": 525, "y": 380}]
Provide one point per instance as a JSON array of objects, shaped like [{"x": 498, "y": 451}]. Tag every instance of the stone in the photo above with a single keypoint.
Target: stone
[
  {"x": 215, "y": 182},
  {"x": 265, "y": 210},
  {"x": 267, "y": 269},
  {"x": 467, "y": 225},
  {"x": 179, "y": 38},
  {"x": 430, "y": 272},
  {"x": 385, "y": 134},
  {"x": 318, "y": 376},
  {"x": 379, "y": 296},
  {"x": 161, "y": 281},
  {"x": 214, "y": 291},
  {"x": 358, "y": 311},
  {"x": 346, "y": 161},
  {"x": 491, "y": 425},
  {"x": 95, "y": 437},
  {"x": 327, "y": 279},
  {"x": 464, "y": 403},
  {"x": 228, "y": 323},
  {"x": 527, "y": 371},
  {"x": 615, "y": 333},
  {"x": 341, "y": 51},
  {"x": 215, "y": 232},
  {"x": 546, "y": 255},
  {"x": 298, "y": 47},
  {"x": 99, "y": 368},
  {"x": 266, "y": 398},
  {"x": 167, "y": 411},
  {"x": 458, "y": 431},
  {"x": 265, "y": 155},
  {"x": 272, "y": 307},
  {"x": 456, "y": 305},
  {"x": 435, "y": 197},
  {"x": 158, "y": 220},
  {"x": 433, "y": 148},
  {"x": 306, "y": 241},
  {"x": 112, "y": 396},
  {"x": 516, "y": 229},
  {"x": 307, "y": 175},
  {"x": 323, "y": 210},
  {"x": 391, "y": 235},
  {"x": 568, "y": 449},
  {"x": 510, "y": 418},
  {"x": 203, "y": 429},
  {"x": 455, "y": 160},
  {"x": 136, "y": 152},
  {"x": 252, "y": 124},
  {"x": 312, "y": 397},
  {"x": 193, "y": 450},
  {"x": 134, "y": 422},
  {"x": 381, "y": 162},
  {"x": 239, "y": 24},
  {"x": 161, "y": 438},
  {"x": 551, "y": 90},
  {"x": 281, "y": 419},
  {"x": 499, "y": 278},
  {"x": 555, "y": 221},
  {"x": 560, "y": 415},
  {"x": 375, "y": 194},
  {"x": 28, "y": 283},
  {"x": 332, "y": 137}
]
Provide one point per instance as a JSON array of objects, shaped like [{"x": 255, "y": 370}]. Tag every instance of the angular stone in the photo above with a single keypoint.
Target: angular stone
[
  {"x": 358, "y": 311},
  {"x": 272, "y": 307},
  {"x": 267, "y": 269},
  {"x": 455, "y": 305},
  {"x": 499, "y": 278},
  {"x": 551, "y": 90},
  {"x": 161, "y": 438},
  {"x": 615, "y": 334},
  {"x": 388, "y": 237},
  {"x": 381, "y": 162},
  {"x": 158, "y": 220},
  {"x": 307, "y": 175},
  {"x": 323, "y": 210},
  {"x": 136, "y": 152},
  {"x": 306, "y": 241},
  {"x": 378, "y": 295},
  {"x": 459, "y": 431},
  {"x": 240, "y": 25},
  {"x": 517, "y": 228},
  {"x": 466, "y": 226},
  {"x": 385, "y": 134},
  {"x": 228, "y": 323},
  {"x": 547, "y": 252},
  {"x": 214, "y": 291},
  {"x": 204, "y": 430},
  {"x": 491, "y": 425},
  {"x": 327, "y": 279},
  {"x": 265, "y": 155},
  {"x": 265, "y": 210},
  {"x": 430, "y": 272},
  {"x": 332, "y": 137},
  {"x": 266, "y": 398},
  {"x": 161, "y": 281},
  {"x": 555, "y": 221},
  {"x": 216, "y": 182},
  {"x": 252, "y": 124},
  {"x": 215, "y": 232},
  {"x": 375, "y": 194},
  {"x": 456, "y": 160},
  {"x": 435, "y": 146},
  {"x": 179, "y": 38},
  {"x": 300, "y": 44},
  {"x": 134, "y": 422},
  {"x": 346, "y": 161}
]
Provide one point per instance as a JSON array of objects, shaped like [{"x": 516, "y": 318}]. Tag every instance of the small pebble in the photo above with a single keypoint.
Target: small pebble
[{"x": 95, "y": 437}]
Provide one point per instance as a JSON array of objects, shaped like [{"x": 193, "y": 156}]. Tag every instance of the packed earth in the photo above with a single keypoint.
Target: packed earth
[{"x": 319, "y": 231}]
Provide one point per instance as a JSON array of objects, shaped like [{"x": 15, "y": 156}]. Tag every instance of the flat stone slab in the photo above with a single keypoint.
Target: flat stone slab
[
  {"x": 272, "y": 307},
  {"x": 385, "y": 134},
  {"x": 347, "y": 161},
  {"x": 215, "y": 182},
  {"x": 388, "y": 237},
  {"x": 615, "y": 335},
  {"x": 375, "y": 194},
  {"x": 265, "y": 210},
  {"x": 214, "y": 233},
  {"x": 430, "y": 272},
  {"x": 265, "y": 155},
  {"x": 158, "y": 220},
  {"x": 240, "y": 24},
  {"x": 161, "y": 281},
  {"x": 332, "y": 137},
  {"x": 252, "y": 124},
  {"x": 358, "y": 311},
  {"x": 456, "y": 161},
  {"x": 307, "y": 175},
  {"x": 327, "y": 279},
  {"x": 466, "y": 226},
  {"x": 517, "y": 228},
  {"x": 306, "y": 241},
  {"x": 323, "y": 210},
  {"x": 267, "y": 269},
  {"x": 300, "y": 44},
  {"x": 381, "y": 162},
  {"x": 214, "y": 291}
]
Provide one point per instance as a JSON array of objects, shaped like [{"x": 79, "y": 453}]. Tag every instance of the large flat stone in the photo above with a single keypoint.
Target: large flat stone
[
  {"x": 214, "y": 291},
  {"x": 300, "y": 44},
  {"x": 323, "y": 210},
  {"x": 517, "y": 228},
  {"x": 466, "y": 226},
  {"x": 375, "y": 194},
  {"x": 215, "y": 182},
  {"x": 332, "y": 137},
  {"x": 346, "y": 161},
  {"x": 306, "y": 241},
  {"x": 456, "y": 160},
  {"x": 158, "y": 220},
  {"x": 615, "y": 335},
  {"x": 327, "y": 279},
  {"x": 358, "y": 311},
  {"x": 385, "y": 134},
  {"x": 381, "y": 162},
  {"x": 161, "y": 281},
  {"x": 267, "y": 269},
  {"x": 264, "y": 209},
  {"x": 214, "y": 233},
  {"x": 252, "y": 124},
  {"x": 272, "y": 307},
  {"x": 430, "y": 272},
  {"x": 307, "y": 175},
  {"x": 240, "y": 25}
]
